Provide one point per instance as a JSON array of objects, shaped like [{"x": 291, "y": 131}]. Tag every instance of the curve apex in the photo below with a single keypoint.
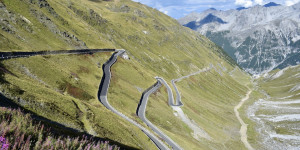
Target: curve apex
[{"x": 120, "y": 50}]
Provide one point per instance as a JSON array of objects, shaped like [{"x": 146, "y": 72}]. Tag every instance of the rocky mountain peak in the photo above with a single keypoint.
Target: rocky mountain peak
[
  {"x": 241, "y": 8},
  {"x": 271, "y": 4},
  {"x": 259, "y": 38}
]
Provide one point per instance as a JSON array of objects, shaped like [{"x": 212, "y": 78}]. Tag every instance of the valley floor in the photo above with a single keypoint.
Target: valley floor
[
  {"x": 243, "y": 130},
  {"x": 273, "y": 110}
]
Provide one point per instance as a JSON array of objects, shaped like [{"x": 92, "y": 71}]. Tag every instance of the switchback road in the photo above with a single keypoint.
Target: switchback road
[
  {"x": 142, "y": 110},
  {"x": 102, "y": 96}
]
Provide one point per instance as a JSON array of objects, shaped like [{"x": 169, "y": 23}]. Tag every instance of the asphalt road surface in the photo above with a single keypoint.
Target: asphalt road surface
[
  {"x": 178, "y": 97},
  {"x": 103, "y": 89},
  {"x": 11, "y": 55},
  {"x": 141, "y": 113},
  {"x": 102, "y": 96},
  {"x": 170, "y": 93}
]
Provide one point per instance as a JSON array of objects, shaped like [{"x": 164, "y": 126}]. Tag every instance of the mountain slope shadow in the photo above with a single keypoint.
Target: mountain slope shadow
[
  {"x": 56, "y": 128},
  {"x": 208, "y": 19}
]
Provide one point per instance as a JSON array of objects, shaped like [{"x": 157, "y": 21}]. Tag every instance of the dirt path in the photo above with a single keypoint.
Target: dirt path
[{"x": 243, "y": 130}]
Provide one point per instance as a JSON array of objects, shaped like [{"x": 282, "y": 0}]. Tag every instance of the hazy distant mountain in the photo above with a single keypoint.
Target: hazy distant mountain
[
  {"x": 271, "y": 4},
  {"x": 259, "y": 38}
]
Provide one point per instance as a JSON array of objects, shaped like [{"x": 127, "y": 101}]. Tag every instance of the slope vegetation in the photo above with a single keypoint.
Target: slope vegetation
[{"x": 63, "y": 88}]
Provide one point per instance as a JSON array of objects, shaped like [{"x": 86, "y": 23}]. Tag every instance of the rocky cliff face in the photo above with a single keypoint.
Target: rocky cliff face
[{"x": 260, "y": 38}]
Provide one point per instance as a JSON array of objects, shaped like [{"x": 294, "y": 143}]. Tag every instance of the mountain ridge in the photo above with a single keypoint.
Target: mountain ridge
[{"x": 271, "y": 31}]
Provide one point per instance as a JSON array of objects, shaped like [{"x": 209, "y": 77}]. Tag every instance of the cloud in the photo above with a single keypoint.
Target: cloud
[
  {"x": 193, "y": 2},
  {"x": 260, "y": 2},
  {"x": 178, "y": 8},
  {"x": 249, "y": 3},
  {"x": 146, "y": 2},
  {"x": 291, "y": 2},
  {"x": 164, "y": 11},
  {"x": 245, "y": 3}
]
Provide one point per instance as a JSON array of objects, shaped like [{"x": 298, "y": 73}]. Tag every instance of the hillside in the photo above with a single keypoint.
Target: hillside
[
  {"x": 21, "y": 131},
  {"x": 259, "y": 38},
  {"x": 63, "y": 88}
]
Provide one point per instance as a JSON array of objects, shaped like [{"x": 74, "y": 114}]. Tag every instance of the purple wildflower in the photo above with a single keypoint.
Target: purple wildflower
[{"x": 5, "y": 146}]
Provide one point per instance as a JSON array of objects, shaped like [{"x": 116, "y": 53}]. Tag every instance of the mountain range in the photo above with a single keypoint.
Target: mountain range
[
  {"x": 259, "y": 38},
  {"x": 110, "y": 74}
]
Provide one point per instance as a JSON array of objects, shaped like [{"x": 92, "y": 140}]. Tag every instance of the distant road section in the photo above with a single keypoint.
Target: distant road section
[
  {"x": 10, "y": 55},
  {"x": 198, "y": 131},
  {"x": 102, "y": 96},
  {"x": 178, "y": 97},
  {"x": 141, "y": 110}
]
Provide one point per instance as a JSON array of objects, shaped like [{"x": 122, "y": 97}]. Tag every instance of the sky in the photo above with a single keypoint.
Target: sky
[{"x": 180, "y": 8}]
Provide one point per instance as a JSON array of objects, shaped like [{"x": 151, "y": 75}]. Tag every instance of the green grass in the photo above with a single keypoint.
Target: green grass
[
  {"x": 21, "y": 131},
  {"x": 76, "y": 112},
  {"x": 66, "y": 85},
  {"x": 280, "y": 87},
  {"x": 202, "y": 95}
]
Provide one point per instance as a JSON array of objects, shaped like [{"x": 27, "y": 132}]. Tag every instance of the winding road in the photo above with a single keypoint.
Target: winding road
[
  {"x": 178, "y": 97},
  {"x": 104, "y": 85},
  {"x": 102, "y": 96},
  {"x": 20, "y": 54},
  {"x": 170, "y": 93},
  {"x": 141, "y": 114},
  {"x": 175, "y": 105},
  {"x": 103, "y": 91}
]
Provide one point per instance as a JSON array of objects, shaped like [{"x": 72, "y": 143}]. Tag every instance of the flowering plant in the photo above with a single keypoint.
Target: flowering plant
[
  {"x": 3, "y": 143},
  {"x": 18, "y": 131}
]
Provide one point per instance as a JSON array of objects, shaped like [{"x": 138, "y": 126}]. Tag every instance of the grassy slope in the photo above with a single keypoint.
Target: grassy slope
[
  {"x": 166, "y": 49},
  {"x": 23, "y": 132},
  {"x": 73, "y": 102},
  {"x": 281, "y": 86},
  {"x": 212, "y": 111}
]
